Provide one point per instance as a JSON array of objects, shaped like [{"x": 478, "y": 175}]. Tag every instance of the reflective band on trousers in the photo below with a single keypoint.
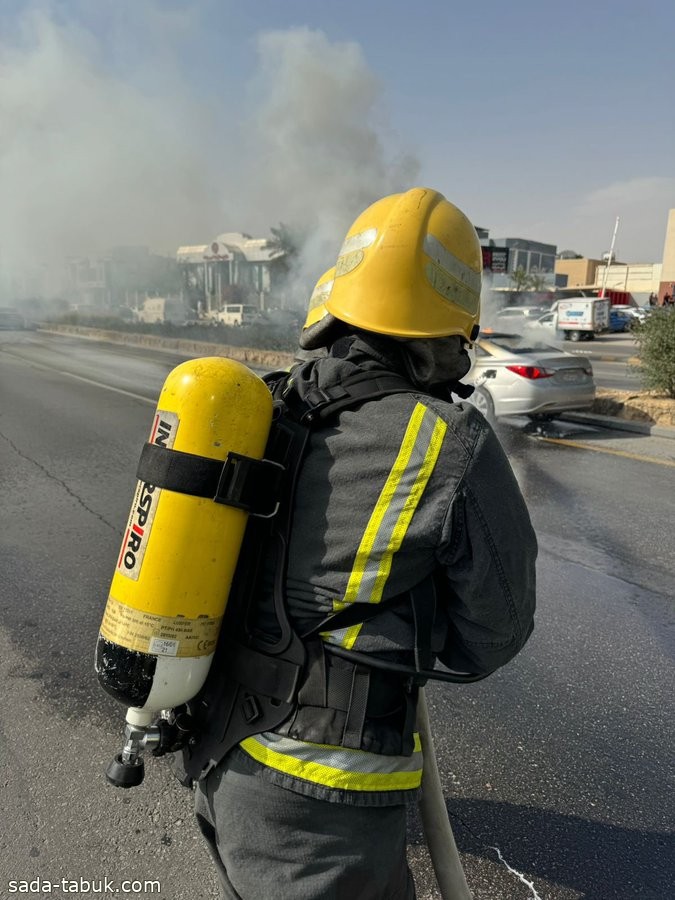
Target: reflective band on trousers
[
  {"x": 336, "y": 767},
  {"x": 389, "y": 521}
]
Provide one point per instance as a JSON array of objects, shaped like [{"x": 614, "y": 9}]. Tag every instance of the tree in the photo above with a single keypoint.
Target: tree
[
  {"x": 287, "y": 241},
  {"x": 656, "y": 350},
  {"x": 528, "y": 281},
  {"x": 286, "y": 245},
  {"x": 520, "y": 279},
  {"x": 537, "y": 281}
]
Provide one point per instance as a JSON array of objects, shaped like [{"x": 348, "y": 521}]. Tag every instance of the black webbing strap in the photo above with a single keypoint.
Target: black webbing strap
[
  {"x": 352, "y": 734},
  {"x": 321, "y": 403},
  {"x": 352, "y": 614},
  {"x": 239, "y": 481},
  {"x": 423, "y": 602}
]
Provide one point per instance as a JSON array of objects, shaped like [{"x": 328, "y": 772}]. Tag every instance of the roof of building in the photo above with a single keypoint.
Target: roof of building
[
  {"x": 227, "y": 245},
  {"x": 191, "y": 254},
  {"x": 253, "y": 249}
]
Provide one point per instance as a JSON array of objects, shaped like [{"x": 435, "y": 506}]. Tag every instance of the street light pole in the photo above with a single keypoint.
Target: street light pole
[{"x": 609, "y": 261}]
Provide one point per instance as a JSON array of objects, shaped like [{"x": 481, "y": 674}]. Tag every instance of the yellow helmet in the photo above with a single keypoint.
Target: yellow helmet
[
  {"x": 316, "y": 309},
  {"x": 410, "y": 267}
]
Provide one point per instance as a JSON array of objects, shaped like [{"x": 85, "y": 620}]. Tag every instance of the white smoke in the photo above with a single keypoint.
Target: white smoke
[
  {"x": 90, "y": 157},
  {"x": 106, "y": 140},
  {"x": 321, "y": 141}
]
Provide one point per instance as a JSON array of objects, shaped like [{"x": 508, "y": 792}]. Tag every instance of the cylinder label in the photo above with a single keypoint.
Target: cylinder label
[
  {"x": 159, "y": 635},
  {"x": 144, "y": 506}
]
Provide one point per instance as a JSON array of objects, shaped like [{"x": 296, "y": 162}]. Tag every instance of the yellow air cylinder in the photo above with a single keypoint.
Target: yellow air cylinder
[{"x": 179, "y": 552}]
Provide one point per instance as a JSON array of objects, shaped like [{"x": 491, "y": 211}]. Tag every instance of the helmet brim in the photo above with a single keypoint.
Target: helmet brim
[{"x": 322, "y": 333}]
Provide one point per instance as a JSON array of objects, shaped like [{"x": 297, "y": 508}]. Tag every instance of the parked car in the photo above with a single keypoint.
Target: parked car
[
  {"x": 636, "y": 313},
  {"x": 544, "y": 327},
  {"x": 515, "y": 317},
  {"x": 620, "y": 320},
  {"x": 514, "y": 376}
]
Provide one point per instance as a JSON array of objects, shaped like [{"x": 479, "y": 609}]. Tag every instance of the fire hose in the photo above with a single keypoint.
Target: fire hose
[{"x": 434, "y": 815}]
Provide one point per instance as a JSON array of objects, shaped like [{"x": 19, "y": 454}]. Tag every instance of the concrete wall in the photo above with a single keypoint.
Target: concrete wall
[
  {"x": 636, "y": 279},
  {"x": 667, "y": 282},
  {"x": 579, "y": 272}
]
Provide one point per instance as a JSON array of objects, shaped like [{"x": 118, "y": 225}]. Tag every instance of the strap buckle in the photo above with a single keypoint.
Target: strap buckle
[
  {"x": 250, "y": 484},
  {"x": 253, "y": 485}
]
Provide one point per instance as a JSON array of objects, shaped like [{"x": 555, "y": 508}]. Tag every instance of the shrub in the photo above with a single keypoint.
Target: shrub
[{"x": 656, "y": 350}]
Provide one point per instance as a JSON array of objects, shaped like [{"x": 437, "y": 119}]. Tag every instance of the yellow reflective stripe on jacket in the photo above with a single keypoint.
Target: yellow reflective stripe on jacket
[
  {"x": 392, "y": 514},
  {"x": 337, "y": 767}
]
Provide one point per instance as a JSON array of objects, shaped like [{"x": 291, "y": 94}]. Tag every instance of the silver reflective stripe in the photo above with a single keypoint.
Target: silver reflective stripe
[
  {"x": 337, "y": 767},
  {"x": 450, "y": 277},
  {"x": 320, "y": 295},
  {"x": 358, "y": 241},
  {"x": 451, "y": 264},
  {"x": 391, "y": 515}
]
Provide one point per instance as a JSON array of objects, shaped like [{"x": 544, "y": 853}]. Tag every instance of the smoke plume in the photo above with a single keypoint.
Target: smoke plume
[
  {"x": 322, "y": 140},
  {"x": 107, "y": 140}
]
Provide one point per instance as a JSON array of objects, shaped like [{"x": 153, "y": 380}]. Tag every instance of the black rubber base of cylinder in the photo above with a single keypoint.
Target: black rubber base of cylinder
[
  {"x": 125, "y": 775},
  {"x": 126, "y": 675}
]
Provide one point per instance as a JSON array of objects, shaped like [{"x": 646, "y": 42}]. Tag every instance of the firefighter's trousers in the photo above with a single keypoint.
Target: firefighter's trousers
[{"x": 269, "y": 842}]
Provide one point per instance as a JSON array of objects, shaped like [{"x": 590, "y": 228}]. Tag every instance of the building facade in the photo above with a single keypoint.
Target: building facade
[
  {"x": 667, "y": 279},
  {"x": 580, "y": 271},
  {"x": 503, "y": 257},
  {"x": 233, "y": 268}
]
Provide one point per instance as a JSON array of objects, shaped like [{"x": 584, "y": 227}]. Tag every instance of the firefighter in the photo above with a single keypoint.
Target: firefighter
[{"x": 407, "y": 511}]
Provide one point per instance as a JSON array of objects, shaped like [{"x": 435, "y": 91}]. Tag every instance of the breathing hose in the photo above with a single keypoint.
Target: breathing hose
[{"x": 434, "y": 815}]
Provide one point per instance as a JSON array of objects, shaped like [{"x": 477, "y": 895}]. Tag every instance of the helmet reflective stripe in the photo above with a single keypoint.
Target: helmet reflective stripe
[
  {"x": 389, "y": 521},
  {"x": 316, "y": 308},
  {"x": 320, "y": 294},
  {"x": 337, "y": 767},
  {"x": 358, "y": 242},
  {"x": 352, "y": 251},
  {"x": 450, "y": 277}
]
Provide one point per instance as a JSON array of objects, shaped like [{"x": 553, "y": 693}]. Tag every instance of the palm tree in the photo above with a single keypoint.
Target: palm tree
[{"x": 286, "y": 241}]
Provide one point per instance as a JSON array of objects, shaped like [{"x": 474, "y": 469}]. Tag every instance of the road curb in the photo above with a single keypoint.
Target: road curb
[
  {"x": 605, "y": 357},
  {"x": 662, "y": 431},
  {"x": 629, "y": 360}
]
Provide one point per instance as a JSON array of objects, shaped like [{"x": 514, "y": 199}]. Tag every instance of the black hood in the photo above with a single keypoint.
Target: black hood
[{"x": 433, "y": 366}]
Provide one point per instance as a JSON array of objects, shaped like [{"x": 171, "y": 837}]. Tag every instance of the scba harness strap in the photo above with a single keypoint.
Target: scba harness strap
[
  {"x": 273, "y": 678},
  {"x": 240, "y": 481}
]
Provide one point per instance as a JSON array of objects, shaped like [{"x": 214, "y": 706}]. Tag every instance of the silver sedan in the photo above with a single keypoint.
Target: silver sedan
[{"x": 517, "y": 376}]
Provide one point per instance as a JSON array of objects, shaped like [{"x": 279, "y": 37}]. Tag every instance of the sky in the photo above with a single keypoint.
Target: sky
[{"x": 164, "y": 123}]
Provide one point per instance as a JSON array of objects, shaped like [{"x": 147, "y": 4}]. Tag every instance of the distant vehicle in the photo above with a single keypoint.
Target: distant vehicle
[
  {"x": 581, "y": 318},
  {"x": 11, "y": 320},
  {"x": 544, "y": 327},
  {"x": 236, "y": 314},
  {"x": 636, "y": 313},
  {"x": 152, "y": 309},
  {"x": 620, "y": 320},
  {"x": 514, "y": 317},
  {"x": 518, "y": 377}
]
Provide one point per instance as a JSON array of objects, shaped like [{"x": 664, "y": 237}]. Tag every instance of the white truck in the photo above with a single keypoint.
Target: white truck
[{"x": 581, "y": 318}]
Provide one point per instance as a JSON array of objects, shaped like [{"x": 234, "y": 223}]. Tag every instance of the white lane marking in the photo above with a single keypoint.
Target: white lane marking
[{"x": 106, "y": 387}]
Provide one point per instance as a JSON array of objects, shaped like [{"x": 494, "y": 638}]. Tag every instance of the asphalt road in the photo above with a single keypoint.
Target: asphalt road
[{"x": 557, "y": 770}]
